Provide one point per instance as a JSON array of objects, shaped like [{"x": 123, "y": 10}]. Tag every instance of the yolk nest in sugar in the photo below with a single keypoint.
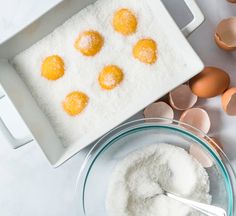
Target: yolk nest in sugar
[
  {"x": 145, "y": 50},
  {"x": 110, "y": 77},
  {"x": 52, "y": 67},
  {"x": 125, "y": 22},
  {"x": 75, "y": 103},
  {"x": 89, "y": 43}
]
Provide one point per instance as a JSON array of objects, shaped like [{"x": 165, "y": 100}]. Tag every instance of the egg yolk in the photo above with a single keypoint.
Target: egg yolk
[
  {"x": 145, "y": 50},
  {"x": 89, "y": 43},
  {"x": 75, "y": 103},
  {"x": 52, "y": 67},
  {"x": 110, "y": 77},
  {"x": 124, "y": 22}
]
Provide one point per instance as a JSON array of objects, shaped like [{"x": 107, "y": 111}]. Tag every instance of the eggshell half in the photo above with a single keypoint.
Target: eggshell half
[
  {"x": 202, "y": 157},
  {"x": 225, "y": 34},
  {"x": 197, "y": 118},
  {"x": 217, "y": 146},
  {"x": 210, "y": 82},
  {"x": 229, "y": 101},
  {"x": 182, "y": 98},
  {"x": 159, "y": 109}
]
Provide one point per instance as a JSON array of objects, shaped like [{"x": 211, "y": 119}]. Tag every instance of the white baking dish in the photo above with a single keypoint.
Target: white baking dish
[{"x": 21, "y": 106}]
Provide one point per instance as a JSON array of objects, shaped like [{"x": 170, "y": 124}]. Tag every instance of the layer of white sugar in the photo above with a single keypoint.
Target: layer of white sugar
[
  {"x": 142, "y": 83},
  {"x": 144, "y": 173}
]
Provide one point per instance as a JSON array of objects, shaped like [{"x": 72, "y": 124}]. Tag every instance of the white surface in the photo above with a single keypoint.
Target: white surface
[
  {"x": 18, "y": 13},
  {"x": 28, "y": 184}
]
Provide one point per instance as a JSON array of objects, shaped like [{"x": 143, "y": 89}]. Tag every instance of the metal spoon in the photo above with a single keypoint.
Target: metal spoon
[{"x": 209, "y": 210}]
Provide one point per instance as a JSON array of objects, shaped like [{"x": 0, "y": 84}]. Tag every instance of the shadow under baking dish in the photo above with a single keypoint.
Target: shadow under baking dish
[{"x": 97, "y": 168}]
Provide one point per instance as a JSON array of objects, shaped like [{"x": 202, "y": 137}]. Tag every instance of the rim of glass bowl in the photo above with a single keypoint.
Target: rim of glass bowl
[{"x": 146, "y": 123}]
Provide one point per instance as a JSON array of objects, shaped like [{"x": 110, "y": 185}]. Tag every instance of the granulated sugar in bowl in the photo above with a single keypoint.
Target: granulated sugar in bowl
[{"x": 140, "y": 159}]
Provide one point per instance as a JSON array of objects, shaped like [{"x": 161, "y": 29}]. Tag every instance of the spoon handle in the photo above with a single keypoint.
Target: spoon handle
[{"x": 204, "y": 208}]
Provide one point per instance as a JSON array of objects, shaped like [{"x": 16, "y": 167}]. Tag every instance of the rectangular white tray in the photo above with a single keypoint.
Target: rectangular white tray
[{"x": 23, "y": 103}]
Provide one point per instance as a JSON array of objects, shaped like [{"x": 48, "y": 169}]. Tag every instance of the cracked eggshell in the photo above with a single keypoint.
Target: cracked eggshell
[
  {"x": 216, "y": 145},
  {"x": 201, "y": 156},
  {"x": 228, "y": 101},
  {"x": 197, "y": 118},
  {"x": 225, "y": 34},
  {"x": 159, "y": 109},
  {"x": 182, "y": 98}
]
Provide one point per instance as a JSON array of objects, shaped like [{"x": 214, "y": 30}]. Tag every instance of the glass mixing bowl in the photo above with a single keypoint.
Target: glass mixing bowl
[{"x": 97, "y": 168}]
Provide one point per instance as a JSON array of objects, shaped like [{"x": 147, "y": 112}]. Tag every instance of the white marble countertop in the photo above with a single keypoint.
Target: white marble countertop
[
  {"x": 15, "y": 14},
  {"x": 30, "y": 186}
]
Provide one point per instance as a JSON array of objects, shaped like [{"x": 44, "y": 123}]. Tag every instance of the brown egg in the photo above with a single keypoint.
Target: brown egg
[
  {"x": 232, "y": 1},
  {"x": 182, "y": 98},
  {"x": 225, "y": 34},
  {"x": 210, "y": 82},
  {"x": 197, "y": 118},
  {"x": 229, "y": 101}
]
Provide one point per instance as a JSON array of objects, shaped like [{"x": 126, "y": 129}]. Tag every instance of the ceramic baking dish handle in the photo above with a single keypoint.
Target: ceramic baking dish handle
[
  {"x": 197, "y": 20},
  {"x": 8, "y": 134}
]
